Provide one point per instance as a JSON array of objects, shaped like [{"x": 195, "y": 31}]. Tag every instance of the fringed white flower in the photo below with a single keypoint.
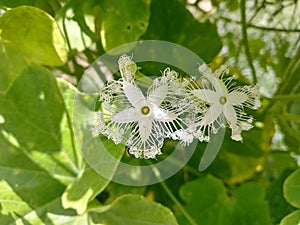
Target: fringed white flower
[
  {"x": 226, "y": 104},
  {"x": 142, "y": 122},
  {"x": 172, "y": 107}
]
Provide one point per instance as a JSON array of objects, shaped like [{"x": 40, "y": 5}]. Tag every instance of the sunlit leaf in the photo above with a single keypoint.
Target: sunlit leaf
[
  {"x": 134, "y": 210},
  {"x": 32, "y": 110},
  {"x": 84, "y": 219},
  {"x": 89, "y": 183},
  {"x": 86, "y": 186},
  {"x": 25, "y": 186},
  {"x": 291, "y": 219},
  {"x": 30, "y": 35},
  {"x": 291, "y": 189}
]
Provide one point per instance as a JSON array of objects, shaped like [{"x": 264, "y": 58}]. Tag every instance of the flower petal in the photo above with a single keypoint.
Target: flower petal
[
  {"x": 230, "y": 115},
  {"x": 220, "y": 87},
  {"x": 212, "y": 114},
  {"x": 206, "y": 95},
  {"x": 145, "y": 126},
  {"x": 126, "y": 116},
  {"x": 236, "y": 97},
  {"x": 133, "y": 94},
  {"x": 217, "y": 83},
  {"x": 158, "y": 94},
  {"x": 163, "y": 115}
]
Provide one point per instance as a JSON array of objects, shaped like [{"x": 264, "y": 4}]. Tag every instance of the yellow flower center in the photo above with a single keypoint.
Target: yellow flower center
[
  {"x": 223, "y": 100},
  {"x": 145, "y": 110}
]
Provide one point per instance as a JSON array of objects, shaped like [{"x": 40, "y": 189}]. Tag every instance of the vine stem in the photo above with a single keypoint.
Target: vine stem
[
  {"x": 69, "y": 122},
  {"x": 292, "y": 117},
  {"x": 178, "y": 204},
  {"x": 245, "y": 40},
  {"x": 286, "y": 97},
  {"x": 230, "y": 20},
  {"x": 173, "y": 198}
]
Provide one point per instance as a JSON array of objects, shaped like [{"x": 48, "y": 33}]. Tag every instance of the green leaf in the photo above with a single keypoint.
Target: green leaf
[
  {"x": 128, "y": 209},
  {"x": 291, "y": 189},
  {"x": 238, "y": 161},
  {"x": 278, "y": 206},
  {"x": 122, "y": 22},
  {"x": 64, "y": 163},
  {"x": 34, "y": 168},
  {"x": 134, "y": 210},
  {"x": 89, "y": 183},
  {"x": 171, "y": 21},
  {"x": 50, "y": 163},
  {"x": 84, "y": 219},
  {"x": 24, "y": 185},
  {"x": 30, "y": 35},
  {"x": 114, "y": 190},
  {"x": 68, "y": 93},
  {"x": 43, "y": 215},
  {"x": 15, "y": 3},
  {"x": 10, "y": 201},
  {"x": 32, "y": 110},
  {"x": 207, "y": 200},
  {"x": 7, "y": 71},
  {"x": 291, "y": 219}
]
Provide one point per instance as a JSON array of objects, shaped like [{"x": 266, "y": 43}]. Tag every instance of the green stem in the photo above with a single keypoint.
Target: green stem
[
  {"x": 178, "y": 204},
  {"x": 245, "y": 40},
  {"x": 173, "y": 198},
  {"x": 66, "y": 32},
  {"x": 286, "y": 97},
  {"x": 72, "y": 135},
  {"x": 293, "y": 117},
  {"x": 260, "y": 27}
]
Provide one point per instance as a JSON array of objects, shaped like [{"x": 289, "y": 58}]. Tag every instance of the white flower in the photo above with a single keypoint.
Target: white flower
[
  {"x": 142, "y": 122},
  {"x": 226, "y": 104}
]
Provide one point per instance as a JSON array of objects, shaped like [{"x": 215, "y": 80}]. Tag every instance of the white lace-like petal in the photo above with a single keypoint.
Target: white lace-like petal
[
  {"x": 206, "y": 95},
  {"x": 236, "y": 98},
  {"x": 230, "y": 114},
  {"x": 212, "y": 114},
  {"x": 133, "y": 94},
  {"x": 220, "y": 87},
  {"x": 145, "y": 127},
  {"x": 126, "y": 116},
  {"x": 163, "y": 115},
  {"x": 158, "y": 94},
  {"x": 236, "y": 134}
]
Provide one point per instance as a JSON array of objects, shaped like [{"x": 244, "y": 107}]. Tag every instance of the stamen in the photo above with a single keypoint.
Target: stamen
[
  {"x": 145, "y": 110},
  {"x": 223, "y": 100}
]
